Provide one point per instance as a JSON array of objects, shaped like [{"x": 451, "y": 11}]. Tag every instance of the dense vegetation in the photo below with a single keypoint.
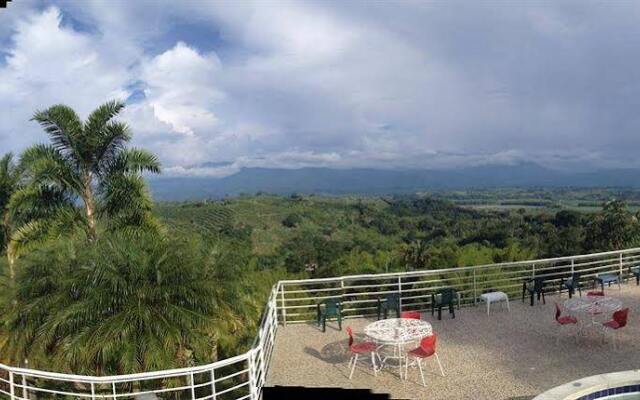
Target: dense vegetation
[
  {"x": 315, "y": 236},
  {"x": 96, "y": 279}
]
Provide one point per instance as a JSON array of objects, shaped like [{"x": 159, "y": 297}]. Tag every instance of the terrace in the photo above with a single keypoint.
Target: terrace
[
  {"x": 506, "y": 355},
  {"x": 502, "y": 356}
]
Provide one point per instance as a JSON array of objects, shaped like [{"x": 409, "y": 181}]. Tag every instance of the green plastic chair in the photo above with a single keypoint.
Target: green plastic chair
[
  {"x": 635, "y": 271},
  {"x": 441, "y": 298},
  {"x": 572, "y": 284},
  {"x": 331, "y": 309},
  {"x": 391, "y": 302}
]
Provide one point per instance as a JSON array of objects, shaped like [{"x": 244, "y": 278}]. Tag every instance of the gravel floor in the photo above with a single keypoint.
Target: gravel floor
[{"x": 504, "y": 356}]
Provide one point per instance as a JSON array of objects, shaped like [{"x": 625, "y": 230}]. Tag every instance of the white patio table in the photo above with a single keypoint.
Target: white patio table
[
  {"x": 592, "y": 307},
  {"x": 397, "y": 332}
]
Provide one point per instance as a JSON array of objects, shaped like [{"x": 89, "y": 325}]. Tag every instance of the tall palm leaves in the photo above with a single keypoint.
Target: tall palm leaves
[
  {"x": 116, "y": 305},
  {"x": 86, "y": 163}
]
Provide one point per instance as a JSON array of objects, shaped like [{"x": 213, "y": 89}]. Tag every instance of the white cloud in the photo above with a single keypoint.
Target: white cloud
[
  {"x": 49, "y": 64},
  {"x": 181, "y": 88},
  {"x": 290, "y": 84}
]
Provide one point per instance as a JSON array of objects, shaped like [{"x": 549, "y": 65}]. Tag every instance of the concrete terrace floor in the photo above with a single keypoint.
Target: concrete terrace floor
[{"x": 504, "y": 356}]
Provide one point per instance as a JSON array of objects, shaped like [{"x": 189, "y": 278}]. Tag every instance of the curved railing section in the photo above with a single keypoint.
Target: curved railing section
[{"x": 243, "y": 376}]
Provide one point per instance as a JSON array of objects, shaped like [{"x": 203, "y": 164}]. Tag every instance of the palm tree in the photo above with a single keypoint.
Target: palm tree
[
  {"x": 9, "y": 183},
  {"x": 116, "y": 305},
  {"x": 88, "y": 164}
]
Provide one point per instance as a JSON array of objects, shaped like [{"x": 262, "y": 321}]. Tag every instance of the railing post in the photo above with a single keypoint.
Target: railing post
[
  {"x": 475, "y": 288},
  {"x": 113, "y": 388},
  {"x": 263, "y": 370},
  {"x": 533, "y": 271},
  {"x": 12, "y": 387},
  {"x": 93, "y": 391},
  {"x": 620, "y": 266},
  {"x": 342, "y": 295},
  {"x": 213, "y": 384},
  {"x": 252, "y": 377},
  {"x": 192, "y": 382},
  {"x": 284, "y": 308},
  {"x": 25, "y": 393},
  {"x": 573, "y": 269},
  {"x": 400, "y": 291}
]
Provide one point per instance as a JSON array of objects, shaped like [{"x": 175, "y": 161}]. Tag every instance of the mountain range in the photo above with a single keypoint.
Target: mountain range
[{"x": 371, "y": 181}]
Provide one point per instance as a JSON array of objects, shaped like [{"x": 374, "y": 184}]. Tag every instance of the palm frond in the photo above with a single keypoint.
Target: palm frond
[
  {"x": 102, "y": 115},
  {"x": 63, "y": 126},
  {"x": 37, "y": 201},
  {"x": 46, "y": 165},
  {"x": 64, "y": 221},
  {"x": 134, "y": 160},
  {"x": 112, "y": 140}
]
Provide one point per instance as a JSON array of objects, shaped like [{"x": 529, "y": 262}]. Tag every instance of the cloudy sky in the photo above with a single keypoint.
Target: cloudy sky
[{"x": 214, "y": 86}]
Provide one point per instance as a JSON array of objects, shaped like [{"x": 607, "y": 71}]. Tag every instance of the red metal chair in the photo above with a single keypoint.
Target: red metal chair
[
  {"x": 361, "y": 348},
  {"x": 564, "y": 320},
  {"x": 411, "y": 315},
  {"x": 618, "y": 321},
  {"x": 427, "y": 349},
  {"x": 598, "y": 293}
]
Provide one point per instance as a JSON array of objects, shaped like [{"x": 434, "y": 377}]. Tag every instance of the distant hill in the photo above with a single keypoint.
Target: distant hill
[{"x": 377, "y": 182}]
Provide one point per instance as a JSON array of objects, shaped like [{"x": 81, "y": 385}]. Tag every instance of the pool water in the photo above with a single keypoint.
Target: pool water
[{"x": 630, "y": 392}]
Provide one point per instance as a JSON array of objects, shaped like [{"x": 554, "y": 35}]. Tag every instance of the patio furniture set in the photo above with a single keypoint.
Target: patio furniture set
[
  {"x": 408, "y": 327},
  {"x": 588, "y": 312},
  {"x": 396, "y": 333}
]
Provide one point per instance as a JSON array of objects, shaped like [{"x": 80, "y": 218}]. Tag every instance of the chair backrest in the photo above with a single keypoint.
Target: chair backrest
[
  {"x": 620, "y": 317},
  {"x": 331, "y": 306},
  {"x": 428, "y": 342},
  {"x": 575, "y": 278},
  {"x": 350, "y": 333},
  {"x": 558, "y": 311},
  {"x": 447, "y": 295},
  {"x": 410, "y": 315},
  {"x": 393, "y": 300},
  {"x": 538, "y": 284}
]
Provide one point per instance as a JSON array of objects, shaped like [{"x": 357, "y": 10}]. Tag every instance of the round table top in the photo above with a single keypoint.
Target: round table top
[
  {"x": 398, "y": 330},
  {"x": 593, "y": 304}
]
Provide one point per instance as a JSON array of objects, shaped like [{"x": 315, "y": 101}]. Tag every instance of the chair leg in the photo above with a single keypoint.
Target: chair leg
[
  {"x": 406, "y": 367},
  {"x": 439, "y": 312},
  {"x": 507, "y": 301},
  {"x": 373, "y": 362},
  {"x": 544, "y": 301},
  {"x": 353, "y": 367},
  {"x": 324, "y": 324},
  {"x": 452, "y": 310},
  {"x": 531, "y": 299},
  {"x": 424, "y": 383},
  {"x": 439, "y": 364}
]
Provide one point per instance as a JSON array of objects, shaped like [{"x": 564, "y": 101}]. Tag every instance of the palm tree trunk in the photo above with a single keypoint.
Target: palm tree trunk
[
  {"x": 10, "y": 257},
  {"x": 89, "y": 205}
]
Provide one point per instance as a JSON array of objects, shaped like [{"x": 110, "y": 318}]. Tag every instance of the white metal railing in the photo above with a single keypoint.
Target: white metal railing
[
  {"x": 236, "y": 378},
  {"x": 243, "y": 376},
  {"x": 359, "y": 294}
]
